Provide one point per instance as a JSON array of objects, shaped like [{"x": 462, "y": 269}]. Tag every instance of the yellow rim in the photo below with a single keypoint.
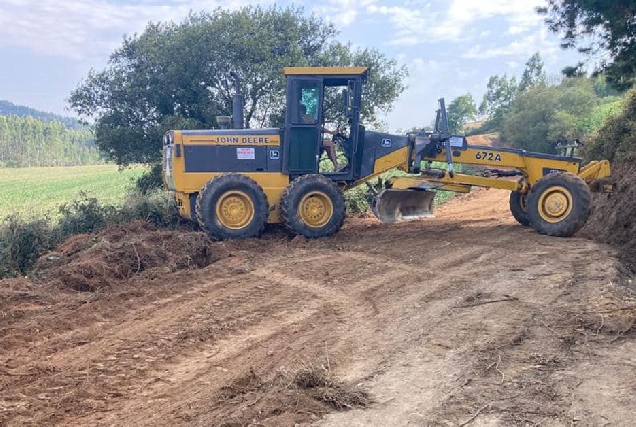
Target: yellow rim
[
  {"x": 315, "y": 209},
  {"x": 235, "y": 209},
  {"x": 555, "y": 204}
]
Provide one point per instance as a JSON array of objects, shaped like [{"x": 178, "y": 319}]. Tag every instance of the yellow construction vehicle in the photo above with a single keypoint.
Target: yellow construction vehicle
[{"x": 234, "y": 181}]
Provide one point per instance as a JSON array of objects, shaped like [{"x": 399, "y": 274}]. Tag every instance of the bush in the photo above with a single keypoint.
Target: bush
[
  {"x": 616, "y": 138},
  {"x": 150, "y": 180},
  {"x": 22, "y": 243}
]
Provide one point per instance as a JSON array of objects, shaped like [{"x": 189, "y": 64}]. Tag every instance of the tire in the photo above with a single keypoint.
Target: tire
[
  {"x": 232, "y": 206},
  {"x": 559, "y": 204},
  {"x": 313, "y": 206},
  {"x": 518, "y": 207}
]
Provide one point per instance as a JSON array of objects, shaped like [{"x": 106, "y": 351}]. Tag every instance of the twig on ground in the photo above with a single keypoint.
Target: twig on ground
[
  {"x": 602, "y": 324},
  {"x": 548, "y": 328},
  {"x": 138, "y": 259},
  {"x": 496, "y": 365},
  {"x": 471, "y": 419},
  {"x": 631, "y": 307}
]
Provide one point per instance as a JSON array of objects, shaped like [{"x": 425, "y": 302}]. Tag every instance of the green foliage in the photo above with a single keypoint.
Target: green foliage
[
  {"x": 21, "y": 243},
  {"x": 533, "y": 75},
  {"x": 543, "y": 115},
  {"x": 26, "y": 141},
  {"x": 461, "y": 110},
  {"x": 178, "y": 76},
  {"x": 499, "y": 94},
  {"x": 615, "y": 140},
  {"x": 597, "y": 28},
  {"x": 358, "y": 200},
  {"x": 150, "y": 180}
]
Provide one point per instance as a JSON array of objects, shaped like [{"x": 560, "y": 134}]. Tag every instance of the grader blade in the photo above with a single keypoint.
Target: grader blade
[{"x": 403, "y": 205}]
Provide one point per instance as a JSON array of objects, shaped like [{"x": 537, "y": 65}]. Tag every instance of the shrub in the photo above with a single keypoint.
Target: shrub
[
  {"x": 22, "y": 243},
  {"x": 616, "y": 138},
  {"x": 150, "y": 180}
]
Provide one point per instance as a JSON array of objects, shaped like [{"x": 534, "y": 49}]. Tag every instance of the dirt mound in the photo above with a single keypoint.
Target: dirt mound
[
  {"x": 251, "y": 398},
  {"x": 487, "y": 140},
  {"x": 614, "y": 218},
  {"x": 87, "y": 263}
]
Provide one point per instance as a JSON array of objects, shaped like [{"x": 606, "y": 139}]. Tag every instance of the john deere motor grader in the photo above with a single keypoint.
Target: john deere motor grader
[{"x": 234, "y": 181}]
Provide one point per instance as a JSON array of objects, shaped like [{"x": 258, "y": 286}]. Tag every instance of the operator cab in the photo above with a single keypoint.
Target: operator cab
[{"x": 322, "y": 121}]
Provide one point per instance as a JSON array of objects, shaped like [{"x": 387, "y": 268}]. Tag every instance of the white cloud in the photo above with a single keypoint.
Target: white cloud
[
  {"x": 420, "y": 25},
  {"x": 342, "y": 12},
  {"x": 526, "y": 46},
  {"x": 81, "y": 28}
]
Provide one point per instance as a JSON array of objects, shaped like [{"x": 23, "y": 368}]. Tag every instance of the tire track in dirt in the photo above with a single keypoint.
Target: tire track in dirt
[{"x": 436, "y": 318}]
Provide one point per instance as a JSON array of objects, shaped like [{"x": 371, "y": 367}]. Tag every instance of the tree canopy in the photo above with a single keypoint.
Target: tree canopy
[
  {"x": 603, "y": 30},
  {"x": 460, "y": 110},
  {"x": 177, "y": 75}
]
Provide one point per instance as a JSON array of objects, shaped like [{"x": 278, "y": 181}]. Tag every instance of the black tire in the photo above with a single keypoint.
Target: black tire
[
  {"x": 559, "y": 204},
  {"x": 241, "y": 198},
  {"x": 313, "y": 206},
  {"x": 518, "y": 207}
]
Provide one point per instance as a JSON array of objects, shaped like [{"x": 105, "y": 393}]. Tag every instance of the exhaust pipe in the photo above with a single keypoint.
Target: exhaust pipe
[
  {"x": 392, "y": 206},
  {"x": 237, "y": 103}
]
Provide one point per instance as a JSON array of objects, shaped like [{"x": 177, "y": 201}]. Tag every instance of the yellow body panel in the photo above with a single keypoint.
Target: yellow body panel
[
  {"x": 396, "y": 159},
  {"x": 460, "y": 183},
  {"x": 595, "y": 170},
  {"x": 532, "y": 167},
  {"x": 237, "y": 140},
  {"x": 273, "y": 185}
]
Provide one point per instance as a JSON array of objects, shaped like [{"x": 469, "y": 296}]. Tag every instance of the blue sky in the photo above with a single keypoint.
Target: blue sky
[{"x": 451, "y": 47}]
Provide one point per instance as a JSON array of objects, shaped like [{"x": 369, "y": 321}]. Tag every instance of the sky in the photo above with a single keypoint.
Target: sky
[{"x": 450, "y": 47}]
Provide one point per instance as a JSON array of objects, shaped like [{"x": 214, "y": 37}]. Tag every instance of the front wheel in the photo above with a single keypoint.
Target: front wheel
[
  {"x": 232, "y": 206},
  {"x": 559, "y": 204},
  {"x": 313, "y": 206}
]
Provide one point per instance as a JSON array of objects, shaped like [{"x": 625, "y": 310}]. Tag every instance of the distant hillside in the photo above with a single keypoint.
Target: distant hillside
[{"x": 10, "y": 109}]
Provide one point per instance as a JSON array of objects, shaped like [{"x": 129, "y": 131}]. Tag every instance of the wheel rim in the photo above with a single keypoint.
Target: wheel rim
[
  {"x": 235, "y": 209},
  {"x": 555, "y": 204},
  {"x": 315, "y": 209}
]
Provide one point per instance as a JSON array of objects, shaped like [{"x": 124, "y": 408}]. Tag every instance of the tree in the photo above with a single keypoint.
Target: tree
[
  {"x": 500, "y": 93},
  {"x": 178, "y": 76},
  {"x": 460, "y": 110},
  {"x": 603, "y": 30},
  {"x": 543, "y": 115},
  {"x": 533, "y": 74}
]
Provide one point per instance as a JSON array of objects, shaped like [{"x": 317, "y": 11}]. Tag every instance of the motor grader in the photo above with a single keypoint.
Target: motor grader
[{"x": 233, "y": 181}]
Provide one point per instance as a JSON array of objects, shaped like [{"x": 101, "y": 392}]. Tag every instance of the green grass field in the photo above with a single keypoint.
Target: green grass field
[{"x": 36, "y": 192}]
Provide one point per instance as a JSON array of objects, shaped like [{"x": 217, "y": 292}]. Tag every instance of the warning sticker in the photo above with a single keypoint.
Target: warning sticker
[{"x": 245, "y": 153}]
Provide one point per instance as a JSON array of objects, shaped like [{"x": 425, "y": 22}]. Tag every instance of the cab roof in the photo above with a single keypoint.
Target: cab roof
[{"x": 326, "y": 71}]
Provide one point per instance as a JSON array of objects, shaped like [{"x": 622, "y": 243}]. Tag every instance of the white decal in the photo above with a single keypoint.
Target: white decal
[{"x": 245, "y": 153}]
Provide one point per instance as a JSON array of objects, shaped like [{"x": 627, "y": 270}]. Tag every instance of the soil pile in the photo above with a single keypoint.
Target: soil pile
[
  {"x": 87, "y": 263},
  {"x": 487, "y": 140},
  {"x": 614, "y": 218}
]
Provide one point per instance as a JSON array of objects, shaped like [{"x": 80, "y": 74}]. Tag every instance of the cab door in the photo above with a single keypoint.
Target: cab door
[{"x": 303, "y": 120}]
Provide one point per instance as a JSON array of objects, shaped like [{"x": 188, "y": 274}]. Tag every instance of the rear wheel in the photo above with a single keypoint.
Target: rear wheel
[
  {"x": 559, "y": 204},
  {"x": 232, "y": 206},
  {"x": 518, "y": 204},
  {"x": 313, "y": 206}
]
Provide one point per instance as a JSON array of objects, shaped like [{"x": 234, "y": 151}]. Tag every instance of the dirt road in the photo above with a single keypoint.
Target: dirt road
[{"x": 466, "y": 319}]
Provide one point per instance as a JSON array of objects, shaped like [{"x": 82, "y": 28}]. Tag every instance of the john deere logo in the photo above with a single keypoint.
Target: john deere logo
[{"x": 386, "y": 143}]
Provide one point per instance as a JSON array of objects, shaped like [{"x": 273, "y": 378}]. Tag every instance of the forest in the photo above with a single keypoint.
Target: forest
[{"x": 39, "y": 140}]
